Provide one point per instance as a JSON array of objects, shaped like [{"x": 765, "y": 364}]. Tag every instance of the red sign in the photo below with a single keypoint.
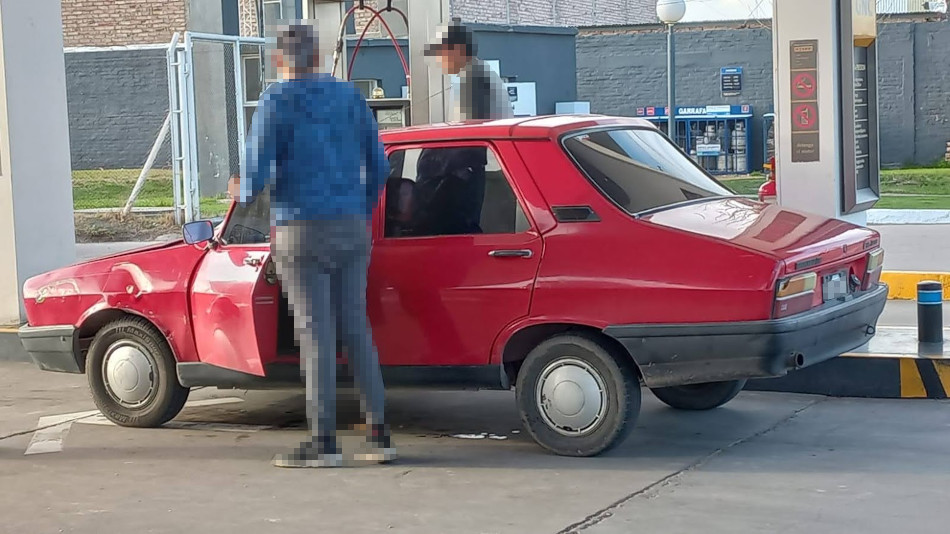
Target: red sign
[
  {"x": 803, "y": 86},
  {"x": 651, "y": 112},
  {"x": 805, "y": 116},
  {"x": 640, "y": 112}
]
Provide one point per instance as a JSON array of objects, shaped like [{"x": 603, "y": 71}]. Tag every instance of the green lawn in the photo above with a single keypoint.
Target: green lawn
[
  {"x": 110, "y": 188},
  {"x": 902, "y": 189}
]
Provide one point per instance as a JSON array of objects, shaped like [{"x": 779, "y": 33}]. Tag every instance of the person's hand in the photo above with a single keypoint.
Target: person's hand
[{"x": 234, "y": 186}]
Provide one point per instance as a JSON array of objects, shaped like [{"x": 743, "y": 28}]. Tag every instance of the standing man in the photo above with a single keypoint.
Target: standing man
[
  {"x": 315, "y": 142},
  {"x": 482, "y": 94}
]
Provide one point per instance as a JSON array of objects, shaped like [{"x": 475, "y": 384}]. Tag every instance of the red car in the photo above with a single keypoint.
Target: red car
[{"x": 570, "y": 257}]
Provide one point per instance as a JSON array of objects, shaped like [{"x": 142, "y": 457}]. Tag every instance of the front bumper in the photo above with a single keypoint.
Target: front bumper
[
  {"x": 52, "y": 348},
  {"x": 674, "y": 355}
]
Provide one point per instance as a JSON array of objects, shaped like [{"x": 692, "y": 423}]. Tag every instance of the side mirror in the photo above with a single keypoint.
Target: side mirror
[{"x": 197, "y": 232}]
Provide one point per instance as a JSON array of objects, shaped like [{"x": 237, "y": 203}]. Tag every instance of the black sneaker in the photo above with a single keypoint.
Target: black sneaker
[
  {"x": 324, "y": 453},
  {"x": 378, "y": 447}
]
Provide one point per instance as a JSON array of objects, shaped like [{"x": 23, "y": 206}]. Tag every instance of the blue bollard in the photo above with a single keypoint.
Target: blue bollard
[{"x": 930, "y": 312}]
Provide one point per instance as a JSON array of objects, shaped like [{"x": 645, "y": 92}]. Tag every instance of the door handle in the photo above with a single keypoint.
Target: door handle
[
  {"x": 511, "y": 253},
  {"x": 253, "y": 262}
]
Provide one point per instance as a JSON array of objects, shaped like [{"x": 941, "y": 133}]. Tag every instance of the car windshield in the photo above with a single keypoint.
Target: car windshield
[{"x": 640, "y": 170}]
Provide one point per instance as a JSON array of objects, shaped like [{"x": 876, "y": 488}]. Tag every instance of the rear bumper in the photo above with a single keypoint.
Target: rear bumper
[
  {"x": 52, "y": 348},
  {"x": 672, "y": 355}
]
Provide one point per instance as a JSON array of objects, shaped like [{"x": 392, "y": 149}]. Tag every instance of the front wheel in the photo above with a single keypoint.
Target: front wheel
[
  {"x": 576, "y": 397},
  {"x": 131, "y": 373},
  {"x": 704, "y": 396}
]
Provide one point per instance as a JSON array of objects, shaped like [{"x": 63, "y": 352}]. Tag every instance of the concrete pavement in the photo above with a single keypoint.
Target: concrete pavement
[{"x": 764, "y": 463}]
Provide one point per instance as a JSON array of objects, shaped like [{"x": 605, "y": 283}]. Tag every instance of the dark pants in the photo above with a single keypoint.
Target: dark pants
[{"x": 322, "y": 266}]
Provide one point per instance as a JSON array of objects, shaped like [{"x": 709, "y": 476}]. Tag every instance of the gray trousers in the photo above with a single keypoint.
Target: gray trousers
[{"x": 322, "y": 266}]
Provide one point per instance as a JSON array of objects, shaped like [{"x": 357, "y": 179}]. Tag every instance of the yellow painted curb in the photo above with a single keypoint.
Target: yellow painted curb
[{"x": 903, "y": 284}]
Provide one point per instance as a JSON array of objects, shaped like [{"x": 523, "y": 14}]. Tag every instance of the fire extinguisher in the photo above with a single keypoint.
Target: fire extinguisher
[{"x": 767, "y": 191}]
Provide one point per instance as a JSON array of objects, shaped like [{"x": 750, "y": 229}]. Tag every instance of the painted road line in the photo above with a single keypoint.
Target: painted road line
[
  {"x": 902, "y": 285},
  {"x": 51, "y": 430}
]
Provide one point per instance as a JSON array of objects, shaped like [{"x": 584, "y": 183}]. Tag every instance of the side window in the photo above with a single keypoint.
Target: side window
[
  {"x": 250, "y": 224},
  {"x": 450, "y": 191}
]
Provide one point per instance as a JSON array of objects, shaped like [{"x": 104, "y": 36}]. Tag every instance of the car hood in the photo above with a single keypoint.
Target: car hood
[
  {"x": 792, "y": 236},
  {"x": 144, "y": 248}
]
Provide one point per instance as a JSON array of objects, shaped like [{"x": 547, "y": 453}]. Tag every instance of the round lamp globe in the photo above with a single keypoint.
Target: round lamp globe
[{"x": 670, "y": 11}]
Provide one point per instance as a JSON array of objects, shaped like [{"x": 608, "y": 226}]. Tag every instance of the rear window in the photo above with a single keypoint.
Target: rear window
[{"x": 640, "y": 169}]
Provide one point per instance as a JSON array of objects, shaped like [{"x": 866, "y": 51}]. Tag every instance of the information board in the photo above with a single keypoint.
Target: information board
[
  {"x": 730, "y": 81},
  {"x": 804, "y": 100}
]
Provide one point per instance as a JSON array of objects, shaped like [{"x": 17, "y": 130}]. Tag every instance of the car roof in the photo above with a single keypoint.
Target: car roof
[{"x": 542, "y": 127}]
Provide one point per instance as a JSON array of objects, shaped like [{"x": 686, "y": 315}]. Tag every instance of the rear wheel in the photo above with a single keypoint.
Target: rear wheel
[
  {"x": 704, "y": 396},
  {"x": 131, "y": 373},
  {"x": 576, "y": 397}
]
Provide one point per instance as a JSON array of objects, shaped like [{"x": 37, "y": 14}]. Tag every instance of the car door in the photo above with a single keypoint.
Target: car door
[
  {"x": 455, "y": 257},
  {"x": 235, "y": 296}
]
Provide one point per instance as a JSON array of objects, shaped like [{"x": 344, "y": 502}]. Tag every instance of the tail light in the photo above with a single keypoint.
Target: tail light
[
  {"x": 794, "y": 294},
  {"x": 872, "y": 275}
]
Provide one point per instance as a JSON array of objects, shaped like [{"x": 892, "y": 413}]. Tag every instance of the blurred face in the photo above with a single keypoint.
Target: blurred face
[
  {"x": 452, "y": 59},
  {"x": 286, "y": 67}
]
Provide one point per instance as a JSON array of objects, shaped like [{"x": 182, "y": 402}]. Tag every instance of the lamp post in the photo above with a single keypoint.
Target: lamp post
[{"x": 670, "y": 12}]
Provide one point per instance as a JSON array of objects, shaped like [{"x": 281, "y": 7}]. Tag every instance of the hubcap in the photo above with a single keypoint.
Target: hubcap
[
  {"x": 129, "y": 373},
  {"x": 571, "y": 397}
]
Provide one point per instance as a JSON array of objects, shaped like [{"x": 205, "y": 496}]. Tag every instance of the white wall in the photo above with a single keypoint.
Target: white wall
[{"x": 36, "y": 202}]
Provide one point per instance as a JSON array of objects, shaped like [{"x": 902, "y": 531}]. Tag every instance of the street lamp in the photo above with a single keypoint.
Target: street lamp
[{"x": 670, "y": 12}]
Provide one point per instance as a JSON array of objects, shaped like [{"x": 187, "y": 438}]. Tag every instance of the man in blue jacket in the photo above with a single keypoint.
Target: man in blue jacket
[{"x": 315, "y": 142}]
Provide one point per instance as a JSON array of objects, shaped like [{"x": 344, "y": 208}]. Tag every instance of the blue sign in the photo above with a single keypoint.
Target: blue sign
[
  {"x": 730, "y": 79},
  {"x": 656, "y": 112}
]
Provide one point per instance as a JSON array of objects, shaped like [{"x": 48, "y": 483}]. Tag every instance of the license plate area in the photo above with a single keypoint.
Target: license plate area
[{"x": 834, "y": 286}]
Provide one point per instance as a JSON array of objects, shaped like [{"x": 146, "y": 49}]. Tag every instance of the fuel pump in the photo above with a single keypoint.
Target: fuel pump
[{"x": 389, "y": 112}]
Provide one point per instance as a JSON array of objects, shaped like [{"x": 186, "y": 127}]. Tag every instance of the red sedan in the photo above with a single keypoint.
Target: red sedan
[{"x": 573, "y": 258}]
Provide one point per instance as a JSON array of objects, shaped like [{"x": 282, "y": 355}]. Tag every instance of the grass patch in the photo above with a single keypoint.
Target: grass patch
[
  {"x": 923, "y": 188},
  {"x": 110, "y": 188}
]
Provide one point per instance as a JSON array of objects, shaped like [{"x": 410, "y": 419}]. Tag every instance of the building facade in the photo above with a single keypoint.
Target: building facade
[{"x": 91, "y": 23}]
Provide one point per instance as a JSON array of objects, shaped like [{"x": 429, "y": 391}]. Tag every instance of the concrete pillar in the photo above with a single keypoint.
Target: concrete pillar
[
  {"x": 36, "y": 200},
  {"x": 826, "y": 107},
  {"x": 429, "y": 92}
]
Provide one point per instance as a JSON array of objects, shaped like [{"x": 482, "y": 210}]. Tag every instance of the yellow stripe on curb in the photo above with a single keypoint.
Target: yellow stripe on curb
[
  {"x": 943, "y": 371},
  {"x": 912, "y": 385},
  {"x": 903, "y": 284},
  {"x": 9, "y": 330}
]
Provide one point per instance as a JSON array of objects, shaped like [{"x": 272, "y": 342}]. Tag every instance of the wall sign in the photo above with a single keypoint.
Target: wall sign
[
  {"x": 804, "y": 100},
  {"x": 730, "y": 81}
]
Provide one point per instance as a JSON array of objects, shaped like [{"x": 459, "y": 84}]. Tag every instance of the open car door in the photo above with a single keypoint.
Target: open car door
[{"x": 235, "y": 296}]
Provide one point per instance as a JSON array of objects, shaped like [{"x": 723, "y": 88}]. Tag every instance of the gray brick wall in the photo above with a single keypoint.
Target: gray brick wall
[
  {"x": 620, "y": 69},
  {"x": 117, "y": 101},
  {"x": 570, "y": 13}
]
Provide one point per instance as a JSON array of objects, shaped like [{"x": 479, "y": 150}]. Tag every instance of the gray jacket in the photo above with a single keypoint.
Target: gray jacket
[{"x": 482, "y": 94}]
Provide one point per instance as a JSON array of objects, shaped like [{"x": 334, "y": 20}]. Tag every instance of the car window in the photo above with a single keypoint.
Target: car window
[
  {"x": 640, "y": 169},
  {"x": 249, "y": 224},
  {"x": 450, "y": 191}
]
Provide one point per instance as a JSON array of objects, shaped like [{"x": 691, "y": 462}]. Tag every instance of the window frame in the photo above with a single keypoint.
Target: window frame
[
  {"x": 228, "y": 219},
  {"x": 379, "y": 227},
  {"x": 562, "y": 142}
]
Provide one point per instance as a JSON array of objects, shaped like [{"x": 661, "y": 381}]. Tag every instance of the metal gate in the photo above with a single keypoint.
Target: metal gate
[{"x": 214, "y": 82}]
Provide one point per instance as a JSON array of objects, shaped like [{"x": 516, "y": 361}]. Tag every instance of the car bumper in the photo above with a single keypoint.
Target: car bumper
[
  {"x": 52, "y": 348},
  {"x": 673, "y": 355}
]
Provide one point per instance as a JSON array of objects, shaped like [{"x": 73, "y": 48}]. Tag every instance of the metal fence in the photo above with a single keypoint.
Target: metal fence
[{"x": 214, "y": 82}]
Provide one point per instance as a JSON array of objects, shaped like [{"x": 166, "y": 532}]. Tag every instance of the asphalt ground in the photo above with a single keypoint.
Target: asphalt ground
[{"x": 766, "y": 462}]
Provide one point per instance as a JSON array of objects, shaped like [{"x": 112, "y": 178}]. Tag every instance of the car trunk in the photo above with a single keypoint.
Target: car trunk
[{"x": 803, "y": 241}]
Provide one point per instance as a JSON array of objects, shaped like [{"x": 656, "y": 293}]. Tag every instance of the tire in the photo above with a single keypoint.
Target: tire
[
  {"x": 704, "y": 396},
  {"x": 588, "y": 366},
  {"x": 132, "y": 376}
]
